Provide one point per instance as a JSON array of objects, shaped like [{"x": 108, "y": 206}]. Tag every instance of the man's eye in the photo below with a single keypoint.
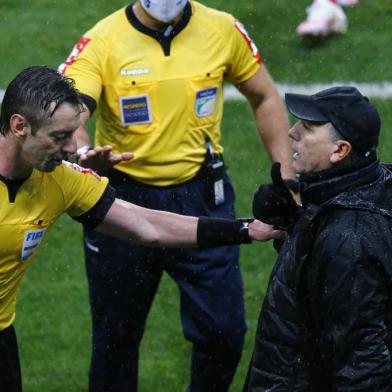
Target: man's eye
[{"x": 60, "y": 136}]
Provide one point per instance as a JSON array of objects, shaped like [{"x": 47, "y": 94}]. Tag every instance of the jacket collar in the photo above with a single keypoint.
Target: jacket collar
[{"x": 319, "y": 187}]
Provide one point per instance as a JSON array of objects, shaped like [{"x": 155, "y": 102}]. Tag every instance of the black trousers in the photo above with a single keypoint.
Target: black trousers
[
  {"x": 10, "y": 375},
  {"x": 123, "y": 279}
]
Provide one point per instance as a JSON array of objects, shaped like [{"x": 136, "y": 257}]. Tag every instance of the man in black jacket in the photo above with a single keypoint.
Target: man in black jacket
[{"x": 325, "y": 323}]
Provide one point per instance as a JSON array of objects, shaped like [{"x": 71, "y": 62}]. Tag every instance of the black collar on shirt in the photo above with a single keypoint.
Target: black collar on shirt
[
  {"x": 164, "y": 38},
  {"x": 12, "y": 186}
]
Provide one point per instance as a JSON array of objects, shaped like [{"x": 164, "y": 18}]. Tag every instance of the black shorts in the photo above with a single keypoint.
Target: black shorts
[{"x": 10, "y": 376}]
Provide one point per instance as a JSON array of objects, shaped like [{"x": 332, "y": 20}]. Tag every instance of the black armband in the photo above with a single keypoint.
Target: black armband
[
  {"x": 218, "y": 232},
  {"x": 89, "y": 102},
  {"x": 93, "y": 217}
]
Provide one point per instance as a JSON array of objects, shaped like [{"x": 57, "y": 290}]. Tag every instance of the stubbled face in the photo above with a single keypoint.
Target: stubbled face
[
  {"x": 52, "y": 142},
  {"x": 312, "y": 147}
]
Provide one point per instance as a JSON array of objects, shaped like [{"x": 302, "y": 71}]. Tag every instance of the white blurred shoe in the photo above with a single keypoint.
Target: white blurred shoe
[
  {"x": 347, "y": 3},
  {"x": 324, "y": 17}
]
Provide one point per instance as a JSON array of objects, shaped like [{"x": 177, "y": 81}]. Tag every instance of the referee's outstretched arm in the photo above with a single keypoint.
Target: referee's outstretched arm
[{"x": 156, "y": 228}]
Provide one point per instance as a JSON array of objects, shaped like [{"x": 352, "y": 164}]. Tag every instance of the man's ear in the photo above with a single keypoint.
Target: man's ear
[
  {"x": 341, "y": 150},
  {"x": 19, "y": 125}
]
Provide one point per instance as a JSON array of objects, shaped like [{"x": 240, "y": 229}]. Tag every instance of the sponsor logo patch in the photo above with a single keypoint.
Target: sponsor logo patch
[
  {"x": 134, "y": 72},
  {"x": 135, "y": 110},
  {"x": 31, "y": 241},
  {"x": 205, "y": 102}
]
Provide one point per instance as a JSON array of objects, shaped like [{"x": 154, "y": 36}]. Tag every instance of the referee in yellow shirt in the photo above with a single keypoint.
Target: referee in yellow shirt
[{"x": 153, "y": 73}]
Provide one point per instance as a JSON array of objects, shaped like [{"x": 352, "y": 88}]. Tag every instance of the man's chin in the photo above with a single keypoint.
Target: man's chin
[
  {"x": 49, "y": 166},
  {"x": 297, "y": 168}
]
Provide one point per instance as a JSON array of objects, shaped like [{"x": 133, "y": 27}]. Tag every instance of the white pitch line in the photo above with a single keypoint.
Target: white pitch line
[{"x": 382, "y": 90}]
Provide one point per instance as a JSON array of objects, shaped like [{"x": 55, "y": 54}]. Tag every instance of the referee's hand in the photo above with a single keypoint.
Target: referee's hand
[
  {"x": 274, "y": 203},
  {"x": 260, "y": 231},
  {"x": 102, "y": 158}
]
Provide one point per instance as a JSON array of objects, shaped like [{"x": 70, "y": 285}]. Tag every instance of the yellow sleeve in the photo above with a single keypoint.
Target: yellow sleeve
[
  {"x": 84, "y": 64},
  {"x": 245, "y": 57},
  {"x": 82, "y": 188}
]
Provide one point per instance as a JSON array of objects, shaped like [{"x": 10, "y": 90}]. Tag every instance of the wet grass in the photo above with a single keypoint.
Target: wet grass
[
  {"x": 44, "y": 31},
  {"x": 53, "y": 321}
]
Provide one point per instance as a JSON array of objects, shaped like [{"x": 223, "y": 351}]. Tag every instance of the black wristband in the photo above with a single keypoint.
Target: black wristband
[{"x": 218, "y": 232}]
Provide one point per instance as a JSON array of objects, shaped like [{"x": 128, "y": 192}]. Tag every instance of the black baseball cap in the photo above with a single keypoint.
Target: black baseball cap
[{"x": 351, "y": 113}]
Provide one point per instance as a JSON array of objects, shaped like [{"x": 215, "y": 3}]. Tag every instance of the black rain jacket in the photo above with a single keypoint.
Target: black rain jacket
[{"x": 325, "y": 323}]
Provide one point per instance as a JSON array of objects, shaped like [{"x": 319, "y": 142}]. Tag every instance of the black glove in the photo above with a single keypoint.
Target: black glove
[{"x": 273, "y": 203}]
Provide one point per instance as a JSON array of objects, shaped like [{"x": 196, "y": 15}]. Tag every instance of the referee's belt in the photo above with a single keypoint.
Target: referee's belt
[{"x": 118, "y": 177}]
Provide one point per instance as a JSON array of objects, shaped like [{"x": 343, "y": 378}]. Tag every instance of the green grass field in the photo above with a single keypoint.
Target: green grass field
[{"x": 53, "y": 320}]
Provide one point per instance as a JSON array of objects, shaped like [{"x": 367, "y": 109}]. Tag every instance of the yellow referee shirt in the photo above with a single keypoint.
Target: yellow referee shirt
[
  {"x": 161, "y": 106},
  {"x": 24, "y": 221}
]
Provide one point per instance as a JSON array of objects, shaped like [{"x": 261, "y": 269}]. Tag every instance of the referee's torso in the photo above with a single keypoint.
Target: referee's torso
[
  {"x": 160, "y": 96},
  {"x": 27, "y": 211}
]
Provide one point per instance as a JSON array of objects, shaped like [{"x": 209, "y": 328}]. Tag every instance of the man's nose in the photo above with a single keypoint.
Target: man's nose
[
  {"x": 294, "y": 132},
  {"x": 70, "y": 146}
]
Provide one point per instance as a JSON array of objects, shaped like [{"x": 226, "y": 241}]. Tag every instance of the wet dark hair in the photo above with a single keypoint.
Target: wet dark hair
[{"x": 32, "y": 94}]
